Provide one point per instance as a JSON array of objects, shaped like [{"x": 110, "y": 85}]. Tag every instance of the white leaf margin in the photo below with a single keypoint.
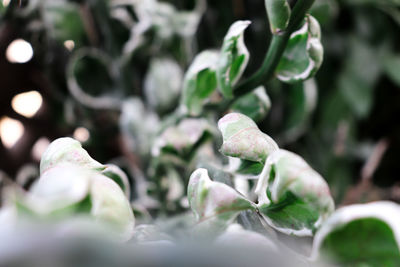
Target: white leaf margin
[{"x": 386, "y": 211}]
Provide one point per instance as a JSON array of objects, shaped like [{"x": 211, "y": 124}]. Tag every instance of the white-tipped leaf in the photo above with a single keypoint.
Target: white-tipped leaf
[
  {"x": 233, "y": 58},
  {"x": 303, "y": 55},
  {"x": 361, "y": 234},
  {"x": 67, "y": 150},
  {"x": 243, "y": 139},
  {"x": 200, "y": 82}
]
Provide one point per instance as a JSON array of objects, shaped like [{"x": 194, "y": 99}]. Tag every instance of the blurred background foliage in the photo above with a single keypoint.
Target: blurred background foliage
[{"x": 90, "y": 57}]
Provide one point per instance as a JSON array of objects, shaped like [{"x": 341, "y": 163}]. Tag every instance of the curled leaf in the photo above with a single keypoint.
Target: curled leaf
[
  {"x": 200, "y": 81},
  {"x": 243, "y": 139},
  {"x": 67, "y": 150},
  {"x": 214, "y": 201},
  {"x": 278, "y": 12},
  {"x": 292, "y": 197},
  {"x": 233, "y": 58},
  {"x": 303, "y": 55},
  {"x": 71, "y": 189},
  {"x": 361, "y": 235}
]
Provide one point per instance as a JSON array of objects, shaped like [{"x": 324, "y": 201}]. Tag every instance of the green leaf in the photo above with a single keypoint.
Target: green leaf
[
  {"x": 200, "y": 81},
  {"x": 392, "y": 68},
  {"x": 59, "y": 188},
  {"x": 213, "y": 202},
  {"x": 69, "y": 189},
  {"x": 233, "y": 58},
  {"x": 255, "y": 105},
  {"x": 292, "y": 197},
  {"x": 278, "y": 12},
  {"x": 67, "y": 150},
  {"x": 303, "y": 55},
  {"x": 162, "y": 84},
  {"x": 250, "y": 168},
  {"x": 361, "y": 235},
  {"x": 325, "y": 11},
  {"x": 243, "y": 139}
]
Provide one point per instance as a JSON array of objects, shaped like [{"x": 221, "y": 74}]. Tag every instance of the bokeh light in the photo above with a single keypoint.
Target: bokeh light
[
  {"x": 27, "y": 104},
  {"x": 39, "y": 147},
  {"x": 81, "y": 134},
  {"x": 10, "y": 131},
  {"x": 19, "y": 51}
]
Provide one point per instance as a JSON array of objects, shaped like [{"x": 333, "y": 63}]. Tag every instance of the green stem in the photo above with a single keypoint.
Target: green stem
[{"x": 275, "y": 51}]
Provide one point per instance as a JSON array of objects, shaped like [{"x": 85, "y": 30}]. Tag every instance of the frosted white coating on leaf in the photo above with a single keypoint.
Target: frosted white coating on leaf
[
  {"x": 204, "y": 60},
  {"x": 67, "y": 150},
  {"x": 68, "y": 184},
  {"x": 237, "y": 28},
  {"x": 182, "y": 136},
  {"x": 243, "y": 139},
  {"x": 110, "y": 205},
  {"x": 292, "y": 174},
  {"x": 61, "y": 186},
  {"x": 386, "y": 211},
  {"x": 211, "y": 200}
]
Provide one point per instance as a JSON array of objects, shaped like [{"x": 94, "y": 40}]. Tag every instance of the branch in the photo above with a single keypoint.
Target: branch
[{"x": 275, "y": 51}]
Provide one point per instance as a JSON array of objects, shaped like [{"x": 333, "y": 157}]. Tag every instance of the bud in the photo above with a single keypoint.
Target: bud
[
  {"x": 292, "y": 197},
  {"x": 243, "y": 139},
  {"x": 67, "y": 150}
]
